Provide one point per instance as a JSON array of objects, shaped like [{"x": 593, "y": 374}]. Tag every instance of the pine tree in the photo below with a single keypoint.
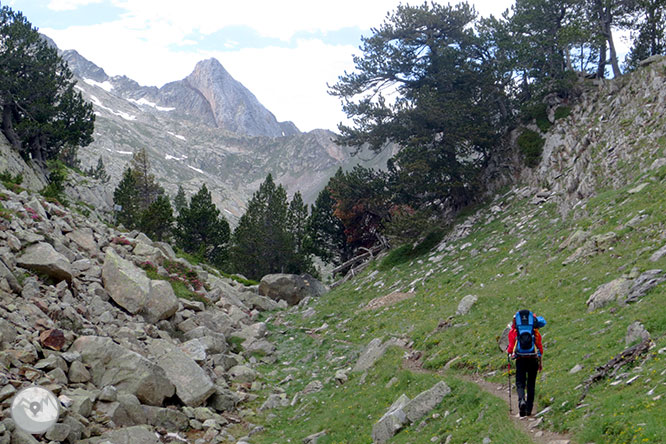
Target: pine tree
[
  {"x": 262, "y": 243},
  {"x": 157, "y": 221},
  {"x": 148, "y": 189},
  {"x": 126, "y": 205},
  {"x": 98, "y": 172},
  {"x": 201, "y": 230},
  {"x": 297, "y": 221},
  {"x": 41, "y": 112},
  {"x": 325, "y": 233},
  {"x": 180, "y": 201}
]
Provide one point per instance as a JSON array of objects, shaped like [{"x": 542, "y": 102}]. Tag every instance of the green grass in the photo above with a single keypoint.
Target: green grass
[{"x": 510, "y": 261}]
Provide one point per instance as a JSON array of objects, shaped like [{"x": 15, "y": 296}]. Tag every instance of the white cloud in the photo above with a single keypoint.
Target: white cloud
[
  {"x": 69, "y": 5},
  {"x": 290, "y": 82}
]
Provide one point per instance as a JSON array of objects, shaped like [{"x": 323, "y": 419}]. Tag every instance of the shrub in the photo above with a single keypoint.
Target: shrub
[
  {"x": 530, "y": 144},
  {"x": 33, "y": 214},
  {"x": 562, "y": 112},
  {"x": 56, "y": 187},
  {"x": 120, "y": 240},
  {"x": 7, "y": 178},
  {"x": 408, "y": 252},
  {"x": 538, "y": 112}
]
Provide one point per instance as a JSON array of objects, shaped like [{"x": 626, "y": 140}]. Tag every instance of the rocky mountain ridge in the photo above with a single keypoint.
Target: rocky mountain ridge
[
  {"x": 208, "y": 94},
  {"x": 206, "y": 128}
]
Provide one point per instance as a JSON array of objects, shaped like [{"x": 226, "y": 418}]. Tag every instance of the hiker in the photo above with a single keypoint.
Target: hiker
[{"x": 525, "y": 346}]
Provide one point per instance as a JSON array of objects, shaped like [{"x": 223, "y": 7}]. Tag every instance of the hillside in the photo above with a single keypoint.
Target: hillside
[
  {"x": 580, "y": 240},
  {"x": 142, "y": 346}
]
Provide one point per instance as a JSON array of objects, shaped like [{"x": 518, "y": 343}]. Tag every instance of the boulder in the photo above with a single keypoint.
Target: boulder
[
  {"x": 160, "y": 303},
  {"x": 193, "y": 386},
  {"x": 403, "y": 411},
  {"x": 84, "y": 238},
  {"x": 466, "y": 304},
  {"x": 391, "y": 423},
  {"x": 636, "y": 332},
  {"x": 372, "y": 352},
  {"x": 169, "y": 419},
  {"x": 291, "y": 288},
  {"x": 420, "y": 406},
  {"x": 224, "y": 400},
  {"x": 242, "y": 373},
  {"x": 643, "y": 284},
  {"x": 127, "y": 284},
  {"x": 42, "y": 258},
  {"x": 658, "y": 254},
  {"x": 128, "y": 371},
  {"x": 607, "y": 293},
  {"x": 127, "y": 435}
]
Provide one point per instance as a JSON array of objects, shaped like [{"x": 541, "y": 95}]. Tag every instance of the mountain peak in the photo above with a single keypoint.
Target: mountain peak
[{"x": 212, "y": 93}]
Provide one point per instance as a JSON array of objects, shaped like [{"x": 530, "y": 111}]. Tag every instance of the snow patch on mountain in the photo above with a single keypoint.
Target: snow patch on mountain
[
  {"x": 177, "y": 136},
  {"x": 145, "y": 102},
  {"x": 196, "y": 169},
  {"x": 106, "y": 86},
  {"x": 124, "y": 115},
  {"x": 170, "y": 157}
]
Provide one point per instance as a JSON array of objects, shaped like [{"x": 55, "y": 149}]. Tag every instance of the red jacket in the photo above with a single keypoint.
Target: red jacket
[{"x": 513, "y": 334}]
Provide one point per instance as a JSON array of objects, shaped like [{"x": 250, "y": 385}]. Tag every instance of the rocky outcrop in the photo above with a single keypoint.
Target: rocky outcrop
[
  {"x": 625, "y": 289},
  {"x": 585, "y": 151},
  {"x": 405, "y": 411},
  {"x": 291, "y": 288}
]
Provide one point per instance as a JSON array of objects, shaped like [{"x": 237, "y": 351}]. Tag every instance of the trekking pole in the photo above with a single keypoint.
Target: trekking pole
[{"x": 508, "y": 364}]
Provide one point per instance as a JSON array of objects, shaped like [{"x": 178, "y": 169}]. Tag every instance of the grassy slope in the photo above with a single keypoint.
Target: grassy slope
[{"x": 510, "y": 259}]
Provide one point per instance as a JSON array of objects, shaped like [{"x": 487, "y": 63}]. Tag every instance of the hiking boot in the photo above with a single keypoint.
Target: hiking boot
[{"x": 522, "y": 406}]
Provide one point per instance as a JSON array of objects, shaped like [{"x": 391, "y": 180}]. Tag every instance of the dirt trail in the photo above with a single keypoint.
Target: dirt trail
[{"x": 529, "y": 425}]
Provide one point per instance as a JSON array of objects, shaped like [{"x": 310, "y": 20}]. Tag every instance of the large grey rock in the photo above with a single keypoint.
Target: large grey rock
[
  {"x": 193, "y": 386},
  {"x": 160, "y": 303},
  {"x": 422, "y": 404},
  {"x": 84, "y": 238},
  {"x": 405, "y": 411},
  {"x": 466, "y": 304},
  {"x": 43, "y": 258},
  {"x": 224, "y": 400},
  {"x": 643, "y": 284},
  {"x": 607, "y": 293},
  {"x": 127, "y": 435},
  {"x": 635, "y": 332},
  {"x": 291, "y": 288},
  {"x": 391, "y": 422},
  {"x": 9, "y": 276},
  {"x": 372, "y": 352},
  {"x": 127, "y": 284},
  {"x": 658, "y": 254},
  {"x": 169, "y": 419},
  {"x": 242, "y": 373},
  {"x": 212, "y": 342},
  {"x": 112, "y": 364},
  {"x": 130, "y": 288}
]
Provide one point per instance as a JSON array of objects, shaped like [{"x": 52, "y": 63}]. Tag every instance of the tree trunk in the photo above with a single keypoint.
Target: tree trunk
[
  {"x": 613, "y": 55},
  {"x": 8, "y": 128},
  {"x": 601, "y": 67}
]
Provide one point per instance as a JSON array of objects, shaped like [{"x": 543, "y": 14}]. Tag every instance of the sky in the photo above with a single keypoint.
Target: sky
[{"x": 284, "y": 51}]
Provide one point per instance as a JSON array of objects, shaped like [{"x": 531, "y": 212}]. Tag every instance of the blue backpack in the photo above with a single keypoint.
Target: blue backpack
[{"x": 525, "y": 325}]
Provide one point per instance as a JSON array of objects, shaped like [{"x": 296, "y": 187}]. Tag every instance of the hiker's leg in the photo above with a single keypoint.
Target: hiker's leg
[
  {"x": 532, "y": 369},
  {"x": 521, "y": 379}
]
